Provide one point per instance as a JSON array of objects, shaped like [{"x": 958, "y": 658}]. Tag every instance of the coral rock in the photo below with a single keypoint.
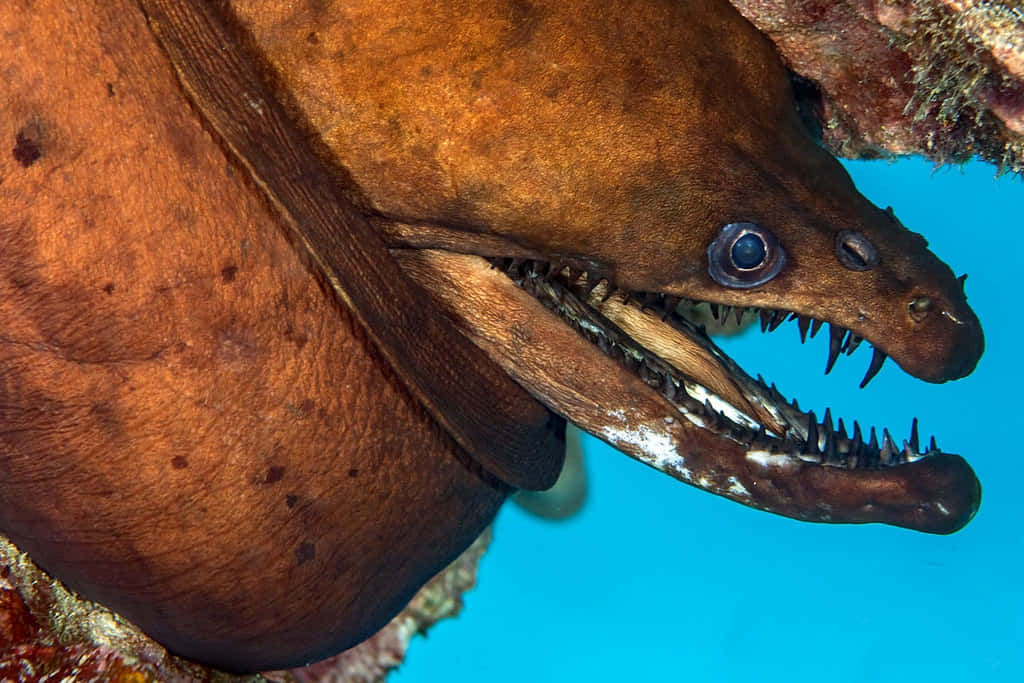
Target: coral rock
[
  {"x": 942, "y": 78},
  {"x": 49, "y": 633}
]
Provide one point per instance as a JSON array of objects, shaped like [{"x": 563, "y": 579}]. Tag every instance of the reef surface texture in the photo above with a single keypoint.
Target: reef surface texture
[
  {"x": 49, "y": 633},
  {"x": 943, "y": 78}
]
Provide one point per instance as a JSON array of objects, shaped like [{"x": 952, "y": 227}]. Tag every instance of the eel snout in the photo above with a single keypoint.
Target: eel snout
[{"x": 650, "y": 382}]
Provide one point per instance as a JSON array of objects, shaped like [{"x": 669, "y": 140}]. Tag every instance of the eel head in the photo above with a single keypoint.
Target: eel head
[
  {"x": 719, "y": 196},
  {"x": 563, "y": 177}
]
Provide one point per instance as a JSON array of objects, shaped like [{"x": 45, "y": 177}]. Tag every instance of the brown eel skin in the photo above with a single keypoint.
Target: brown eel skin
[{"x": 213, "y": 418}]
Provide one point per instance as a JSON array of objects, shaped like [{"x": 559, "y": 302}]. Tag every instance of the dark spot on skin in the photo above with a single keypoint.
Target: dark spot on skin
[
  {"x": 227, "y": 273},
  {"x": 110, "y": 89},
  {"x": 179, "y": 462},
  {"x": 297, "y": 338},
  {"x": 274, "y": 474},
  {"x": 523, "y": 21},
  {"x": 313, "y": 38},
  {"x": 109, "y": 288},
  {"x": 353, "y": 472},
  {"x": 290, "y": 500},
  {"x": 26, "y": 150},
  {"x": 303, "y": 409},
  {"x": 426, "y": 70},
  {"x": 304, "y": 553},
  {"x": 643, "y": 84},
  {"x": 556, "y": 83}
]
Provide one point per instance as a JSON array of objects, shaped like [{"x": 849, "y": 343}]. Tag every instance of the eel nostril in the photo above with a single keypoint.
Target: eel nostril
[
  {"x": 855, "y": 251},
  {"x": 919, "y": 307}
]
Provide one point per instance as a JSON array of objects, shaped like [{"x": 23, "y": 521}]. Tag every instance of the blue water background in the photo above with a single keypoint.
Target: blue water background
[{"x": 657, "y": 581}]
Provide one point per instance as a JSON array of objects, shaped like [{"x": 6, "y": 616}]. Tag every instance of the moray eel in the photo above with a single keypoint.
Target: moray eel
[{"x": 246, "y": 248}]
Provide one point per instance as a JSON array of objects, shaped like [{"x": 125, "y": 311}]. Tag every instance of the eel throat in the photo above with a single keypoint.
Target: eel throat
[{"x": 636, "y": 371}]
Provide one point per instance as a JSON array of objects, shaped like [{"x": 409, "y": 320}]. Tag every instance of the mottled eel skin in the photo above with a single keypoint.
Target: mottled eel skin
[{"x": 209, "y": 423}]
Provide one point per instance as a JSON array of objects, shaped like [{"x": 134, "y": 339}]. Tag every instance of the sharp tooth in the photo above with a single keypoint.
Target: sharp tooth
[
  {"x": 766, "y": 318},
  {"x": 812, "y": 433},
  {"x": 668, "y": 389},
  {"x": 714, "y": 310},
  {"x": 873, "y": 441},
  {"x": 835, "y": 341},
  {"x": 588, "y": 285},
  {"x": 889, "y": 450},
  {"x": 932, "y": 446},
  {"x": 649, "y": 375},
  {"x": 851, "y": 344},
  {"x": 803, "y": 322},
  {"x": 739, "y": 311},
  {"x": 648, "y": 300},
  {"x": 815, "y": 326},
  {"x": 856, "y": 442},
  {"x": 841, "y": 430},
  {"x": 877, "y": 359},
  {"x": 778, "y": 317},
  {"x": 553, "y": 270},
  {"x": 830, "y": 441},
  {"x": 670, "y": 306},
  {"x": 913, "y": 437}
]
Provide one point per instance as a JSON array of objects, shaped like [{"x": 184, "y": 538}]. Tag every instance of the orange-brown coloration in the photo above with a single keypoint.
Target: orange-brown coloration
[
  {"x": 152, "y": 450},
  {"x": 623, "y": 134},
  {"x": 193, "y": 431}
]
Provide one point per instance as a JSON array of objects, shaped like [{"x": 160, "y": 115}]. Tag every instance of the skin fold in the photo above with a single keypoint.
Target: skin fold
[{"x": 197, "y": 427}]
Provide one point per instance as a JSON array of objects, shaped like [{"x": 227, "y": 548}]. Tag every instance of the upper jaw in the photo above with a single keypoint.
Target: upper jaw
[
  {"x": 944, "y": 344},
  {"x": 740, "y": 439}
]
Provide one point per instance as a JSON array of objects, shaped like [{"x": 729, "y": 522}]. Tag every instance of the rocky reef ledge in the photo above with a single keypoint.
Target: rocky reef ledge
[
  {"x": 49, "y": 633},
  {"x": 941, "y": 78}
]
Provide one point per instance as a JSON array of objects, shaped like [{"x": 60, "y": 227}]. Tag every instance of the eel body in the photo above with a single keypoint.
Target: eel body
[{"x": 206, "y": 418}]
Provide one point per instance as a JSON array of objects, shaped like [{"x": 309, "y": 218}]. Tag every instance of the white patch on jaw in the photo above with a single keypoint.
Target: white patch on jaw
[
  {"x": 658, "y": 449},
  {"x": 766, "y": 459},
  {"x": 943, "y": 509},
  {"x": 738, "y": 489}
]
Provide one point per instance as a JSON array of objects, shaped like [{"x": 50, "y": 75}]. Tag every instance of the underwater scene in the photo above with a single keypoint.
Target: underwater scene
[
  {"x": 295, "y": 294},
  {"x": 657, "y": 581}
]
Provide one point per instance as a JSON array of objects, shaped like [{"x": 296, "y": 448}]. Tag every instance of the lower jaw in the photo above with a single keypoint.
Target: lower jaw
[{"x": 602, "y": 395}]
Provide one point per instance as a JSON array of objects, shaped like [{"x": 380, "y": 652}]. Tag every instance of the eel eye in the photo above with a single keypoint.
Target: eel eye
[
  {"x": 855, "y": 251},
  {"x": 745, "y": 255}
]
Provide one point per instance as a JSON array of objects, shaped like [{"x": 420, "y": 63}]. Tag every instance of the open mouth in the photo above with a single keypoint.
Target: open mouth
[
  {"x": 648, "y": 379},
  {"x": 730, "y": 403}
]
